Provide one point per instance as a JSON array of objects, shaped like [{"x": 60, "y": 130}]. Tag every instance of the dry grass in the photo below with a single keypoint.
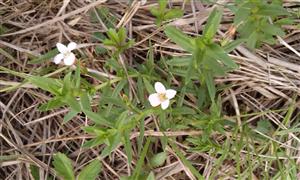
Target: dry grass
[{"x": 268, "y": 79}]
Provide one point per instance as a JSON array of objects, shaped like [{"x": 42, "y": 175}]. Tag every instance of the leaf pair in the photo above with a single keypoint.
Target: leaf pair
[{"x": 63, "y": 167}]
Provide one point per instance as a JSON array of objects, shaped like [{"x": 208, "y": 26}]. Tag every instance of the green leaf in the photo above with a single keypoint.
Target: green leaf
[
  {"x": 179, "y": 38},
  {"x": 151, "y": 176},
  {"x": 140, "y": 162},
  {"x": 217, "y": 68},
  {"x": 264, "y": 126},
  {"x": 252, "y": 40},
  {"x": 85, "y": 101},
  {"x": 100, "y": 50},
  {"x": 284, "y": 21},
  {"x": 140, "y": 90},
  {"x": 63, "y": 166},
  {"x": 162, "y": 4},
  {"x": 94, "y": 142},
  {"x": 45, "y": 57},
  {"x": 99, "y": 36},
  {"x": 283, "y": 132},
  {"x": 34, "y": 171},
  {"x": 113, "y": 36},
  {"x": 183, "y": 111},
  {"x": 97, "y": 118},
  {"x": 218, "y": 53},
  {"x": 91, "y": 171},
  {"x": 210, "y": 85},
  {"x": 56, "y": 102},
  {"x": 148, "y": 86},
  {"x": 288, "y": 115},
  {"x": 114, "y": 140},
  {"x": 212, "y": 24},
  {"x": 246, "y": 29},
  {"x": 272, "y": 10},
  {"x": 232, "y": 45},
  {"x": 242, "y": 14},
  {"x": 141, "y": 136},
  {"x": 119, "y": 87},
  {"x": 72, "y": 102},
  {"x": 113, "y": 100},
  {"x": 180, "y": 61},
  {"x": 155, "y": 12},
  {"x": 70, "y": 115},
  {"x": 67, "y": 84},
  {"x": 122, "y": 34},
  {"x": 273, "y": 30},
  {"x": 173, "y": 13},
  {"x": 158, "y": 159},
  {"x": 95, "y": 130},
  {"x": 127, "y": 145},
  {"x": 48, "y": 84},
  {"x": 109, "y": 42}
]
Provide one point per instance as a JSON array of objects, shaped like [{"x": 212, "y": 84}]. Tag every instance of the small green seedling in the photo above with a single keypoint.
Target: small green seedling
[
  {"x": 163, "y": 14},
  {"x": 117, "y": 40}
]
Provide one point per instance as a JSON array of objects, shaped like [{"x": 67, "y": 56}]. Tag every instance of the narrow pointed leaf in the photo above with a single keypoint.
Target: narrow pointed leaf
[
  {"x": 63, "y": 166},
  {"x": 97, "y": 118},
  {"x": 212, "y": 24},
  {"x": 179, "y": 38},
  {"x": 91, "y": 171},
  {"x": 218, "y": 53},
  {"x": 70, "y": 115},
  {"x": 49, "y": 55}
]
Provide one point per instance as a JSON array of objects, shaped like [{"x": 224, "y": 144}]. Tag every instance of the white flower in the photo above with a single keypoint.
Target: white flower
[
  {"x": 162, "y": 96},
  {"x": 65, "y": 54}
]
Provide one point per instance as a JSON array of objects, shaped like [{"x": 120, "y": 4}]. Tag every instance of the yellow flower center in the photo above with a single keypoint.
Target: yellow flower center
[
  {"x": 162, "y": 97},
  {"x": 67, "y": 53}
]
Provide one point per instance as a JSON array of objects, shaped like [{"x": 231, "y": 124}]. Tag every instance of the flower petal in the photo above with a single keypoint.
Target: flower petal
[
  {"x": 170, "y": 93},
  {"x": 154, "y": 100},
  {"x": 159, "y": 87},
  {"x": 61, "y": 48},
  {"x": 69, "y": 59},
  {"x": 165, "y": 104},
  {"x": 72, "y": 46},
  {"x": 57, "y": 59}
]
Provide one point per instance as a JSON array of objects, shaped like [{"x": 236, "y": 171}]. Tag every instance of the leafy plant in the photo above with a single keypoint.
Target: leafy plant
[
  {"x": 162, "y": 13},
  {"x": 117, "y": 40},
  {"x": 258, "y": 21},
  {"x": 63, "y": 166},
  {"x": 208, "y": 58},
  {"x": 65, "y": 91}
]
